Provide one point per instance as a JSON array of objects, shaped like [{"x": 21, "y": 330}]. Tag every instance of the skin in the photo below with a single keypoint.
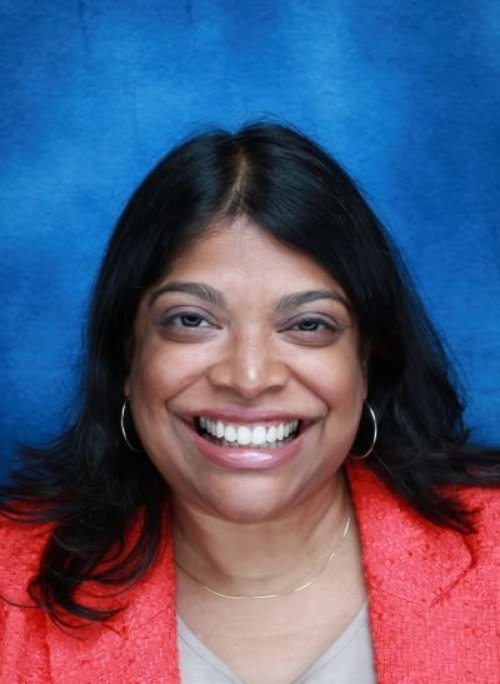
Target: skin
[{"x": 259, "y": 354}]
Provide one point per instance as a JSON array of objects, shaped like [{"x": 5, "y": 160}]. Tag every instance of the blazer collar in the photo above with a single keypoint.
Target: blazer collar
[{"x": 404, "y": 554}]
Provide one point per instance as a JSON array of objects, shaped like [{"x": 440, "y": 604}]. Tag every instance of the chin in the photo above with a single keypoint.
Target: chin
[{"x": 252, "y": 500}]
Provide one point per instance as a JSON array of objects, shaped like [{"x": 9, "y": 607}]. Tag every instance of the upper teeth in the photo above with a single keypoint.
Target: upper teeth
[{"x": 246, "y": 435}]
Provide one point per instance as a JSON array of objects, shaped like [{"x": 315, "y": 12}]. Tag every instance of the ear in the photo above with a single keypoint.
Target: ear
[{"x": 126, "y": 387}]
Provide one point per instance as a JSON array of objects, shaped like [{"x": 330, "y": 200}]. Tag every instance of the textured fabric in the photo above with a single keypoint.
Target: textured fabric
[
  {"x": 139, "y": 645},
  {"x": 432, "y": 594},
  {"x": 349, "y": 659}
]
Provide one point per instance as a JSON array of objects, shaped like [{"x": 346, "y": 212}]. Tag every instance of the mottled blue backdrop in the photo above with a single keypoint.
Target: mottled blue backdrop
[{"x": 406, "y": 93}]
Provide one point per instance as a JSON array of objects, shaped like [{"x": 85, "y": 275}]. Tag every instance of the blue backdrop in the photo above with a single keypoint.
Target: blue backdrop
[{"x": 95, "y": 91}]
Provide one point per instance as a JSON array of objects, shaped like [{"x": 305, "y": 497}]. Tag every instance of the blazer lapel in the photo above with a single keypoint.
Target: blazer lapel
[
  {"x": 411, "y": 568},
  {"x": 404, "y": 554}
]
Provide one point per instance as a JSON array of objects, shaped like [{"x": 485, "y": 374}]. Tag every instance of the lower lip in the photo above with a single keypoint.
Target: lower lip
[{"x": 247, "y": 458}]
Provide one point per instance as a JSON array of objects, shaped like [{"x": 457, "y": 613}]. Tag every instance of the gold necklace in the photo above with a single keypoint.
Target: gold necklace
[{"x": 295, "y": 590}]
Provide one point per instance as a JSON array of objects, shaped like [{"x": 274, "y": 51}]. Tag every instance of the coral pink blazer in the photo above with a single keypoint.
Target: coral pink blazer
[{"x": 433, "y": 603}]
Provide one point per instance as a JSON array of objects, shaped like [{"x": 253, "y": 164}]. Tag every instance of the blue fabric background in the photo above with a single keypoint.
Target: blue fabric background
[{"x": 405, "y": 93}]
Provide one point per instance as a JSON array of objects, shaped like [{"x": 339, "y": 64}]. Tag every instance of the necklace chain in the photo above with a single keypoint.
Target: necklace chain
[{"x": 294, "y": 590}]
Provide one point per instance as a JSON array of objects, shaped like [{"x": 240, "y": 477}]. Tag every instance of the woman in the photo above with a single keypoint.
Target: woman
[{"x": 270, "y": 479}]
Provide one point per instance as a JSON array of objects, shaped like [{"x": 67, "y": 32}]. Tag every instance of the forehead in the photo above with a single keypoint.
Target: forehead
[{"x": 239, "y": 252}]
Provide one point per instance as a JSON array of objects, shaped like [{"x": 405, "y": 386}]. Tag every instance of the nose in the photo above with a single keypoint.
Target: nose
[{"x": 249, "y": 367}]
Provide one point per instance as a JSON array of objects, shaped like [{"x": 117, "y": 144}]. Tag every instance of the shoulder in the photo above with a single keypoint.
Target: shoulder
[
  {"x": 21, "y": 548},
  {"x": 484, "y": 504},
  {"x": 483, "y": 501},
  {"x": 371, "y": 491},
  {"x": 383, "y": 512},
  {"x": 408, "y": 557},
  {"x": 431, "y": 590},
  {"x": 144, "y": 631}
]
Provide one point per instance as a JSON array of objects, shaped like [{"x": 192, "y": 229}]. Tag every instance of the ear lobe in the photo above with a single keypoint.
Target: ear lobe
[{"x": 126, "y": 387}]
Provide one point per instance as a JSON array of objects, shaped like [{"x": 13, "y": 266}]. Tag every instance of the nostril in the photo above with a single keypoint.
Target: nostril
[{"x": 248, "y": 382}]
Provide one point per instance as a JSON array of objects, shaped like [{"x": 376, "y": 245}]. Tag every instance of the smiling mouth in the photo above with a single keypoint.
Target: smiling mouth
[{"x": 257, "y": 436}]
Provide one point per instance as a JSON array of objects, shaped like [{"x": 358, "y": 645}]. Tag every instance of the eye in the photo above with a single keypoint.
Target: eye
[
  {"x": 310, "y": 325},
  {"x": 316, "y": 331},
  {"x": 188, "y": 320},
  {"x": 185, "y": 325}
]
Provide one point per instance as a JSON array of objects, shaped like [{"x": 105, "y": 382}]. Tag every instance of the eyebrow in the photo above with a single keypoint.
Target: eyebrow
[
  {"x": 296, "y": 299},
  {"x": 213, "y": 296},
  {"x": 205, "y": 292}
]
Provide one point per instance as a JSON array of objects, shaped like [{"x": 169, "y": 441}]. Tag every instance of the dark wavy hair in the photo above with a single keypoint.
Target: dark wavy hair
[{"x": 92, "y": 488}]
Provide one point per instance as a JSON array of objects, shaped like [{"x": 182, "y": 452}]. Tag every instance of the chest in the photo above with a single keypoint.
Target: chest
[
  {"x": 348, "y": 659},
  {"x": 272, "y": 640}
]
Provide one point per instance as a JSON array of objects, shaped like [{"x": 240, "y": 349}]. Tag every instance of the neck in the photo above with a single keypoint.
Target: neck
[{"x": 264, "y": 557}]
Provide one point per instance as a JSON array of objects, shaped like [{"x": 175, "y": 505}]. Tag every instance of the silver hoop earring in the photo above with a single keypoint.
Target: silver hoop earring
[
  {"x": 361, "y": 457},
  {"x": 126, "y": 402}
]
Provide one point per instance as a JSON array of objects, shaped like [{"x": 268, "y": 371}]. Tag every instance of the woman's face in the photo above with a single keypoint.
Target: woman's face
[{"x": 246, "y": 382}]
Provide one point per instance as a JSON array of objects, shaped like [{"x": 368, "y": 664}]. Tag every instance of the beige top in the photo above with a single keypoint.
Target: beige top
[{"x": 349, "y": 659}]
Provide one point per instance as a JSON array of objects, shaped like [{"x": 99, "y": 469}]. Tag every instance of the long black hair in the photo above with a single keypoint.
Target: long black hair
[{"x": 93, "y": 488}]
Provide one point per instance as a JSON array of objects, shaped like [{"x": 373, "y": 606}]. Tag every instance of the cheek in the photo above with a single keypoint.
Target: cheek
[
  {"x": 338, "y": 379},
  {"x": 161, "y": 371}
]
